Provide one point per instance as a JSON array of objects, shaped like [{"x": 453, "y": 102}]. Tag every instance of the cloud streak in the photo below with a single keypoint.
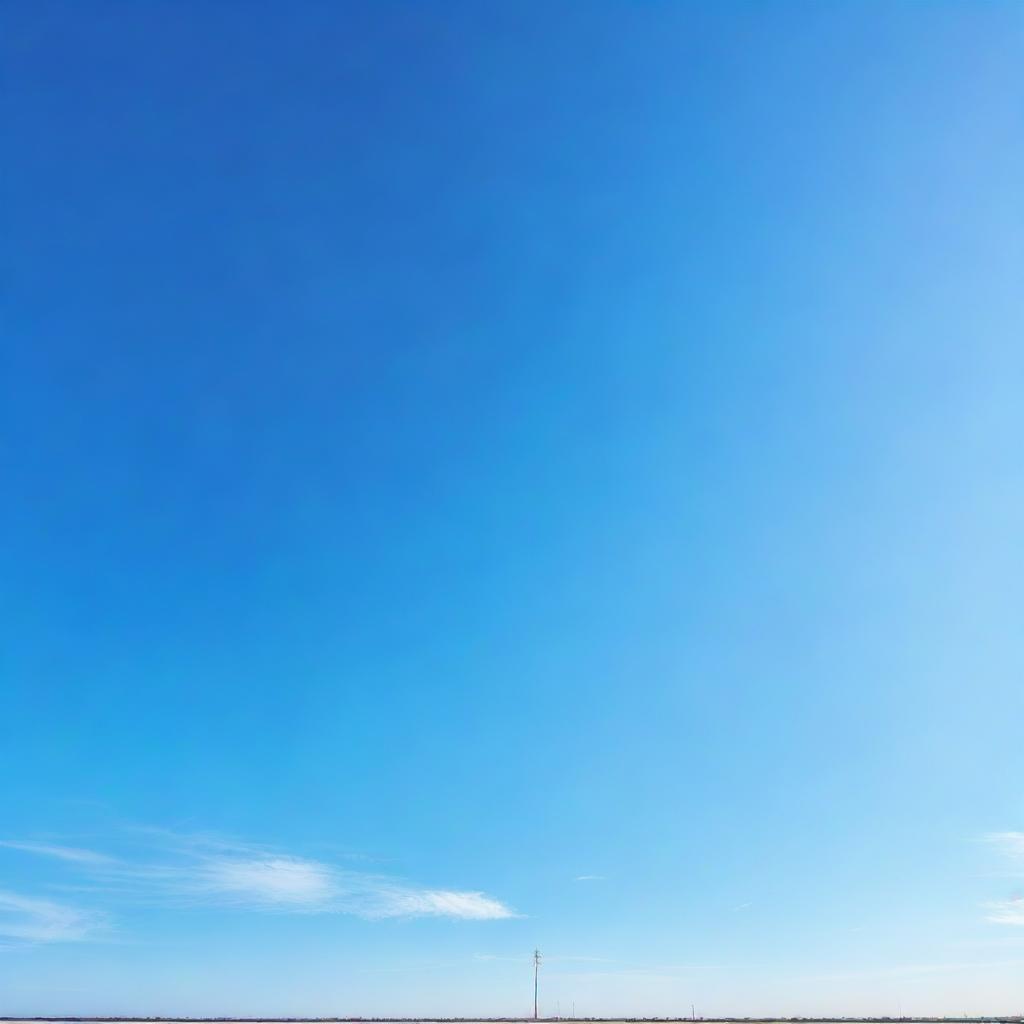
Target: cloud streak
[
  {"x": 69, "y": 853},
  {"x": 1011, "y": 911},
  {"x": 185, "y": 870},
  {"x": 1006, "y": 912},
  {"x": 1010, "y": 844},
  {"x": 24, "y": 920},
  {"x": 273, "y": 880}
]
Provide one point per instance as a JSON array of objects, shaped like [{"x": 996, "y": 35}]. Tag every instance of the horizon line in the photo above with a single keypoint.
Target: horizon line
[{"x": 928, "y": 1019}]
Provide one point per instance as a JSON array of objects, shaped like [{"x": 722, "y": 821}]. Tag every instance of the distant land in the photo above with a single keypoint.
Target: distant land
[{"x": 990, "y": 1019}]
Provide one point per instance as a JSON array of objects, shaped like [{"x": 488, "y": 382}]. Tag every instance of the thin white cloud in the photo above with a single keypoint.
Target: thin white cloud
[
  {"x": 273, "y": 880},
  {"x": 1011, "y": 911},
  {"x": 209, "y": 870},
  {"x": 590, "y": 878},
  {"x": 69, "y": 853},
  {"x": 472, "y": 906},
  {"x": 1006, "y": 912},
  {"x": 1010, "y": 844},
  {"x": 27, "y": 920}
]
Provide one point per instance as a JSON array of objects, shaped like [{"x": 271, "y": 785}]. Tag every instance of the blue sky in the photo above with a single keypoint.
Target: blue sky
[{"x": 486, "y": 476}]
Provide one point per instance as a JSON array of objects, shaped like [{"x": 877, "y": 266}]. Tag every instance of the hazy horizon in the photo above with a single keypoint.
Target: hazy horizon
[{"x": 485, "y": 1020}]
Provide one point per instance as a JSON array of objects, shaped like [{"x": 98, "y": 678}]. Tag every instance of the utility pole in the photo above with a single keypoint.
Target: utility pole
[{"x": 536, "y": 972}]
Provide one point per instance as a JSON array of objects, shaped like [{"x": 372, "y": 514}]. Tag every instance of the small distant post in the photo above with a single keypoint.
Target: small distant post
[{"x": 536, "y": 973}]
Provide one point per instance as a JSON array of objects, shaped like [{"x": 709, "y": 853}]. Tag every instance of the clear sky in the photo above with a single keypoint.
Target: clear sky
[{"x": 494, "y": 475}]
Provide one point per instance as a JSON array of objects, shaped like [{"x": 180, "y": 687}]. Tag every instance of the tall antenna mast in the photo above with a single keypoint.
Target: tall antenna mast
[{"x": 536, "y": 972}]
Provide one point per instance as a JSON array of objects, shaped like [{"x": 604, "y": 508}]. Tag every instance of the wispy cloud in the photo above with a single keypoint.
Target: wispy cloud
[
  {"x": 441, "y": 903},
  {"x": 68, "y": 853},
  {"x": 1011, "y": 846},
  {"x": 590, "y": 878},
  {"x": 25, "y": 920},
  {"x": 213, "y": 871},
  {"x": 1006, "y": 912},
  {"x": 272, "y": 880}
]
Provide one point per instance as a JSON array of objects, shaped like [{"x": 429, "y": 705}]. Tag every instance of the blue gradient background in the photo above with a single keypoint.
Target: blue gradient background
[{"x": 511, "y": 442}]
